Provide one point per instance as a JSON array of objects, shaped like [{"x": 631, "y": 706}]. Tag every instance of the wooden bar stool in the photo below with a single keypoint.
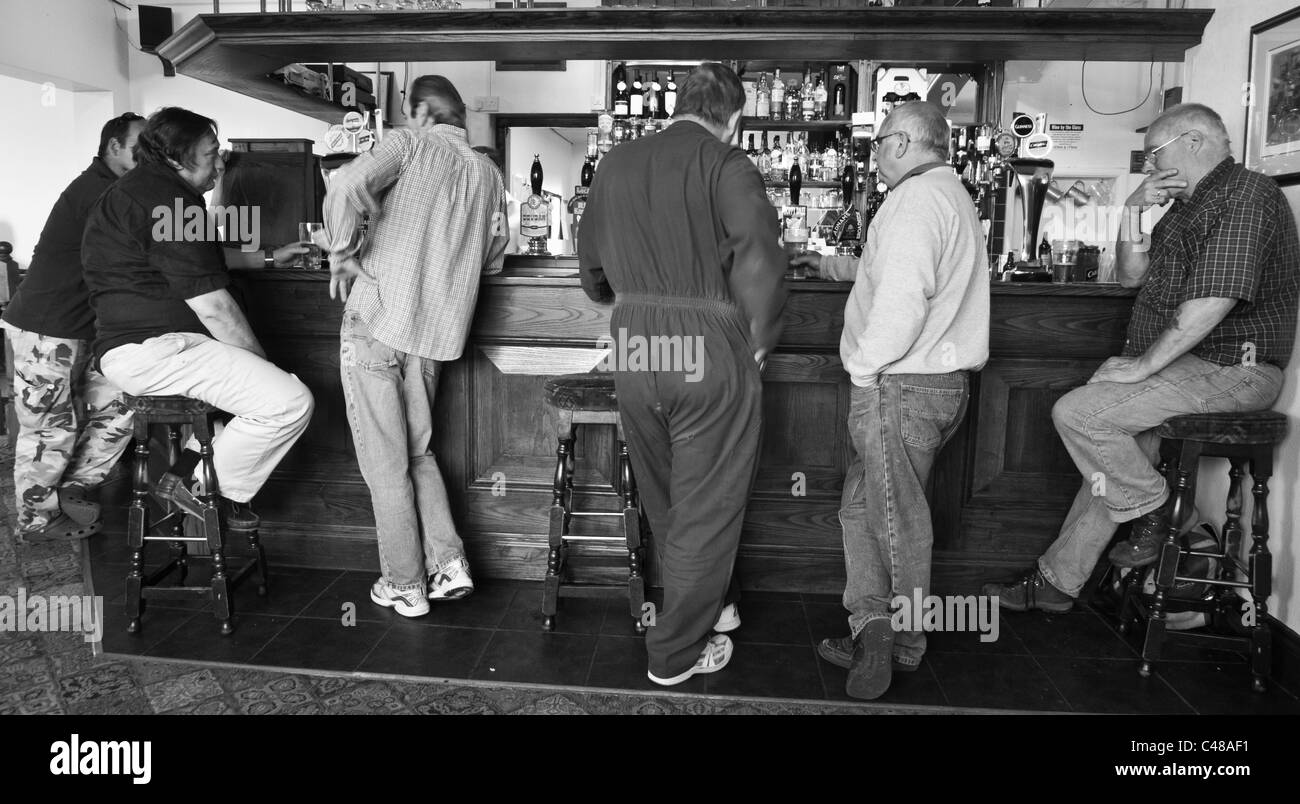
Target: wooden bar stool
[
  {"x": 173, "y": 411},
  {"x": 575, "y": 400},
  {"x": 1242, "y": 438}
]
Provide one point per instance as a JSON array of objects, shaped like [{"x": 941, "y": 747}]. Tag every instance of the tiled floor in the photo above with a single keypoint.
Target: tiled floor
[{"x": 324, "y": 620}]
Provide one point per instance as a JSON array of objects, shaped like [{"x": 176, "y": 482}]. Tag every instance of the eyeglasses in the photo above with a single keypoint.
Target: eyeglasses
[
  {"x": 1150, "y": 156},
  {"x": 875, "y": 144}
]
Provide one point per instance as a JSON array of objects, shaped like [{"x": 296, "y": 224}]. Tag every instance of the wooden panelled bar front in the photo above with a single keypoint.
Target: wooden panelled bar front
[{"x": 999, "y": 492}]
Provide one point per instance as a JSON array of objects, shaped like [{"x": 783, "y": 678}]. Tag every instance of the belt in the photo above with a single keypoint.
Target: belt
[{"x": 719, "y": 306}]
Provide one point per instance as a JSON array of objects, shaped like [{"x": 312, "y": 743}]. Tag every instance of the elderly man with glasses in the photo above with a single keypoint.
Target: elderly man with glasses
[
  {"x": 1211, "y": 331},
  {"x": 915, "y": 326}
]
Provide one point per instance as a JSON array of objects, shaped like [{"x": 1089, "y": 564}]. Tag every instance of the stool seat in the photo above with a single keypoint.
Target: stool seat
[
  {"x": 167, "y": 405},
  {"x": 582, "y": 392},
  {"x": 1261, "y": 427}
]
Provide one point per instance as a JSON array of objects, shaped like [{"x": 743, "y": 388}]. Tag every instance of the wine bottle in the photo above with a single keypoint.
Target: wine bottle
[
  {"x": 765, "y": 160},
  {"x": 670, "y": 96},
  {"x": 621, "y": 100},
  {"x": 636, "y": 104},
  {"x": 796, "y": 183},
  {"x": 763, "y": 108},
  {"x": 778, "y": 97}
]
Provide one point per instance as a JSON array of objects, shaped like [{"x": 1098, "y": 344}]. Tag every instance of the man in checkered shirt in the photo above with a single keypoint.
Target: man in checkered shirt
[
  {"x": 437, "y": 224},
  {"x": 1211, "y": 331}
]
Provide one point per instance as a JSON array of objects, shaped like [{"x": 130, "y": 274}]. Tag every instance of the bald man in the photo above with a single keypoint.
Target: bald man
[
  {"x": 1211, "y": 331},
  {"x": 916, "y": 325}
]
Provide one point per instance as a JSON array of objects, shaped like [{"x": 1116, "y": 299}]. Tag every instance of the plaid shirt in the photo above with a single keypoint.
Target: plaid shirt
[
  {"x": 433, "y": 204},
  {"x": 1236, "y": 239}
]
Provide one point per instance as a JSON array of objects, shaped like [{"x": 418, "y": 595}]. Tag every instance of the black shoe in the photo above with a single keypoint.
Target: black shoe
[
  {"x": 871, "y": 670},
  {"x": 1030, "y": 593},
  {"x": 1143, "y": 544},
  {"x": 839, "y": 652},
  {"x": 236, "y": 515}
]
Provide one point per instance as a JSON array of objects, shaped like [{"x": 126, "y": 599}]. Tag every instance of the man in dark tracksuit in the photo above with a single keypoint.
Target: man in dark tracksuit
[{"x": 679, "y": 231}]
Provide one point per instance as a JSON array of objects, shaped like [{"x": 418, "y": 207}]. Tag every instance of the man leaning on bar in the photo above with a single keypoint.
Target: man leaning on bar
[
  {"x": 1211, "y": 331},
  {"x": 915, "y": 326}
]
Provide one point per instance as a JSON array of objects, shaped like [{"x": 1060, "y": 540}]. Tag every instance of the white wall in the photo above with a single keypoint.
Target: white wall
[{"x": 1215, "y": 73}]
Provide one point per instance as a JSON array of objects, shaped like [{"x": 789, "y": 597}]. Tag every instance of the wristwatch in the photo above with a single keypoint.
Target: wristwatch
[{"x": 268, "y": 257}]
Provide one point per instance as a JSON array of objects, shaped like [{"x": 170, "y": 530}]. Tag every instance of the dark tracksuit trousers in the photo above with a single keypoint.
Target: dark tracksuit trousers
[{"x": 694, "y": 451}]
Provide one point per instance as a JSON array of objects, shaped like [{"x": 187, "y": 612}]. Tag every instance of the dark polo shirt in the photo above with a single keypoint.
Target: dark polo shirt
[
  {"x": 53, "y": 299},
  {"x": 139, "y": 269}
]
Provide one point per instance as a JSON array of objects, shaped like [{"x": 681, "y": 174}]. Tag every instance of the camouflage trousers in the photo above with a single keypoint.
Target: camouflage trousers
[{"x": 72, "y": 423}]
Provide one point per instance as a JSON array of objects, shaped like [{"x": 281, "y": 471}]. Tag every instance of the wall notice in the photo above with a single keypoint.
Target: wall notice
[{"x": 1066, "y": 136}]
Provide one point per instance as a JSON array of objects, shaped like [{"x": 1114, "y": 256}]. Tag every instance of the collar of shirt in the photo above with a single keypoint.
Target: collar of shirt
[
  {"x": 100, "y": 168},
  {"x": 166, "y": 175},
  {"x": 446, "y": 130},
  {"x": 917, "y": 170},
  {"x": 1210, "y": 182}
]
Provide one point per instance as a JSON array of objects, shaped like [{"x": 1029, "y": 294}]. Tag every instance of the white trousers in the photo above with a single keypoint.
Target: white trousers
[{"x": 271, "y": 406}]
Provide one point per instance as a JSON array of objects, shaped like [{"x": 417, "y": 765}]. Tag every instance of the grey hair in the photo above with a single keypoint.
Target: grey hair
[
  {"x": 925, "y": 124},
  {"x": 1194, "y": 117}
]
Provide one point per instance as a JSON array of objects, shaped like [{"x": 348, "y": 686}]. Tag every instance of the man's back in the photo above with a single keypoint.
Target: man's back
[
  {"x": 433, "y": 203},
  {"x": 669, "y": 215}
]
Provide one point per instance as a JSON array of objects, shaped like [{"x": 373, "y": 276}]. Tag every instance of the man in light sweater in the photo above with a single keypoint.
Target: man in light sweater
[{"x": 916, "y": 325}]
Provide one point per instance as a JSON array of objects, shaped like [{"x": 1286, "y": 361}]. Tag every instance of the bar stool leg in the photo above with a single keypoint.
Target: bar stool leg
[
  {"x": 561, "y": 502},
  {"x": 212, "y": 526},
  {"x": 1167, "y": 565},
  {"x": 1261, "y": 569},
  {"x": 632, "y": 534},
  {"x": 137, "y": 524},
  {"x": 179, "y": 549}
]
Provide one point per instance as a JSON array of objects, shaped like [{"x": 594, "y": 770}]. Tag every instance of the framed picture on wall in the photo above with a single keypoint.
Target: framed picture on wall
[{"x": 1273, "y": 117}]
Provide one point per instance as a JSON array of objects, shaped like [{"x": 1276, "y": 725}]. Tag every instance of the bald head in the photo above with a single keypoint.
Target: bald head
[
  {"x": 1193, "y": 117},
  {"x": 925, "y": 124}
]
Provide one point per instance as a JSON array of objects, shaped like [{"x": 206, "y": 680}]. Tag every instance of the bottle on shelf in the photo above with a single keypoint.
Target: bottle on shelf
[
  {"x": 535, "y": 214},
  {"x": 750, "y": 151},
  {"x": 622, "y": 100},
  {"x": 793, "y": 103},
  {"x": 840, "y": 93},
  {"x": 830, "y": 163},
  {"x": 763, "y": 107},
  {"x": 779, "y": 165},
  {"x": 819, "y": 100},
  {"x": 778, "y": 97},
  {"x": 654, "y": 98},
  {"x": 1045, "y": 253},
  {"x": 796, "y": 183},
  {"x": 636, "y": 99},
  {"x": 670, "y": 96},
  {"x": 765, "y": 160},
  {"x": 807, "y": 98}
]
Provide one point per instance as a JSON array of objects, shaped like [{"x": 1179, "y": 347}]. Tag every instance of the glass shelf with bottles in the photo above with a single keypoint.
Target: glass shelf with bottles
[{"x": 821, "y": 156}]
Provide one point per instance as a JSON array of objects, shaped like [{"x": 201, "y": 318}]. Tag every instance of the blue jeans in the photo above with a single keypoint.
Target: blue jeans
[
  {"x": 389, "y": 398},
  {"x": 1108, "y": 429},
  {"x": 897, "y": 428}
]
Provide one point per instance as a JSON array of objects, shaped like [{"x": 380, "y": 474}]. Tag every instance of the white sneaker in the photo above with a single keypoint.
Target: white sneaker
[
  {"x": 728, "y": 620},
  {"x": 452, "y": 582},
  {"x": 713, "y": 658},
  {"x": 410, "y": 603}
]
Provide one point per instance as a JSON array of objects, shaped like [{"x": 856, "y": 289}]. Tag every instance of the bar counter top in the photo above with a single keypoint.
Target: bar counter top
[{"x": 999, "y": 491}]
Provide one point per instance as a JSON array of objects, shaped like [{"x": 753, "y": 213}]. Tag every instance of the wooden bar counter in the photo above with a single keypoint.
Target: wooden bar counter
[{"x": 999, "y": 493}]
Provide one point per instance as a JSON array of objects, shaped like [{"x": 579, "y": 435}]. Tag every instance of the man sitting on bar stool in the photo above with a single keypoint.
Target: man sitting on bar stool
[
  {"x": 915, "y": 326},
  {"x": 679, "y": 232},
  {"x": 168, "y": 326},
  {"x": 437, "y": 224},
  {"x": 1211, "y": 331}
]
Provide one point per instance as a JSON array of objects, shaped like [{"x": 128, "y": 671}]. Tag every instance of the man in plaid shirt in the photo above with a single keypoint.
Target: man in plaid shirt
[
  {"x": 437, "y": 224},
  {"x": 1211, "y": 331}
]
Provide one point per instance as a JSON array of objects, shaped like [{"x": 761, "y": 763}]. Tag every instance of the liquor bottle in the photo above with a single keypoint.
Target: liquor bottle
[
  {"x": 778, "y": 160},
  {"x": 535, "y": 215},
  {"x": 751, "y": 152},
  {"x": 622, "y": 102},
  {"x": 765, "y": 160},
  {"x": 830, "y": 163},
  {"x": 636, "y": 104},
  {"x": 807, "y": 98},
  {"x": 1045, "y": 253},
  {"x": 778, "y": 97},
  {"x": 763, "y": 109},
  {"x": 793, "y": 103},
  {"x": 819, "y": 99},
  {"x": 796, "y": 183},
  {"x": 670, "y": 96},
  {"x": 654, "y": 98}
]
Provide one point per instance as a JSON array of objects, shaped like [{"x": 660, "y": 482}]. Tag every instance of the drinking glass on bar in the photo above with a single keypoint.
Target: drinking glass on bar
[{"x": 306, "y": 235}]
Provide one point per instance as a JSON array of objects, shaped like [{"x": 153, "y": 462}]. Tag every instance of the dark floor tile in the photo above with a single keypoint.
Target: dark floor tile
[
  {"x": 825, "y": 620},
  {"x": 621, "y": 663},
  {"x": 433, "y": 652},
  {"x": 579, "y": 615},
  {"x": 1078, "y": 634},
  {"x": 767, "y": 620},
  {"x": 197, "y": 643},
  {"x": 1111, "y": 686},
  {"x": 918, "y": 688},
  {"x": 618, "y": 614},
  {"x": 1175, "y": 650},
  {"x": 1006, "y": 641},
  {"x": 996, "y": 682},
  {"x": 485, "y": 608},
  {"x": 775, "y": 671},
  {"x": 1225, "y": 689},
  {"x": 350, "y": 587},
  {"x": 321, "y": 645},
  {"x": 823, "y": 600},
  {"x": 155, "y": 625},
  {"x": 537, "y": 658}
]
